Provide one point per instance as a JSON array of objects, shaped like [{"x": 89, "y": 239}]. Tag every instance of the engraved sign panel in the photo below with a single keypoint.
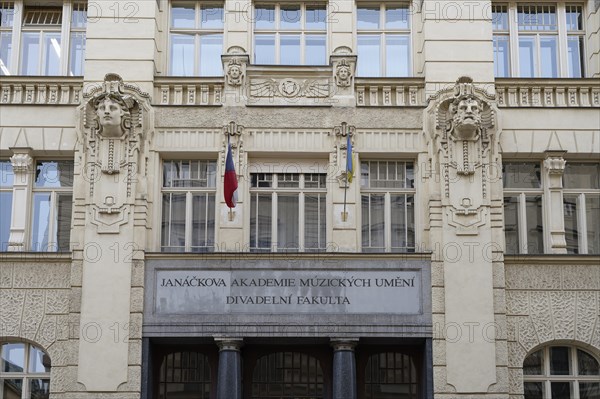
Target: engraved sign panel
[{"x": 287, "y": 291}]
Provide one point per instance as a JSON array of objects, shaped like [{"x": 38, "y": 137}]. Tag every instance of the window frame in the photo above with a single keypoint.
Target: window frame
[
  {"x": 522, "y": 194},
  {"x": 25, "y": 375},
  {"x": 388, "y": 192},
  {"x": 196, "y": 32},
  {"x": 189, "y": 195},
  {"x": 301, "y": 191},
  {"x": 382, "y": 32},
  {"x": 277, "y": 32},
  {"x": 561, "y": 33},
  {"x": 16, "y": 58},
  {"x": 580, "y": 193},
  {"x": 573, "y": 378},
  {"x": 55, "y": 192}
]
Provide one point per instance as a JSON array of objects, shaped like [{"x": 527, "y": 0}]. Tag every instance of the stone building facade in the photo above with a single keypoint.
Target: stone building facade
[{"x": 458, "y": 259}]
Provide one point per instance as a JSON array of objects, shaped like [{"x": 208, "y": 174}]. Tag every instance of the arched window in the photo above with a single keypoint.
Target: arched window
[
  {"x": 285, "y": 375},
  {"x": 24, "y": 371},
  {"x": 564, "y": 372},
  {"x": 391, "y": 375},
  {"x": 184, "y": 375}
]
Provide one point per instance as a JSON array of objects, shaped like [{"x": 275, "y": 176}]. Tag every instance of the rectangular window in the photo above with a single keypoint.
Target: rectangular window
[
  {"x": 78, "y": 39},
  {"x": 188, "y": 206},
  {"x": 288, "y": 212},
  {"x": 6, "y": 196},
  {"x": 387, "y": 206},
  {"x": 523, "y": 198},
  {"x": 383, "y": 40},
  {"x": 544, "y": 36},
  {"x": 581, "y": 198},
  {"x": 7, "y": 18},
  {"x": 52, "y": 206},
  {"x": 290, "y": 34},
  {"x": 196, "y": 39}
]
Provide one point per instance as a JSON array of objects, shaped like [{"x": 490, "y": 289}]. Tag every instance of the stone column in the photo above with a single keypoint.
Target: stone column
[
  {"x": 229, "y": 379},
  {"x": 344, "y": 368},
  {"x": 22, "y": 164},
  {"x": 554, "y": 167}
]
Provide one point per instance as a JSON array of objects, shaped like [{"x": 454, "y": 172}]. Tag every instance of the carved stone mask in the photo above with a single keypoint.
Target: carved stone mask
[
  {"x": 235, "y": 72},
  {"x": 466, "y": 118},
  {"x": 110, "y": 117}
]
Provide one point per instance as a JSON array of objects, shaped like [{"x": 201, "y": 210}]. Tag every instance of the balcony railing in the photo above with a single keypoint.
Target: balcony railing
[
  {"x": 549, "y": 93},
  {"x": 36, "y": 90},
  {"x": 400, "y": 92},
  {"x": 188, "y": 91}
]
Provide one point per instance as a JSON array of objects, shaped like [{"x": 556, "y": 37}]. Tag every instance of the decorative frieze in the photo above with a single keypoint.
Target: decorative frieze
[
  {"x": 188, "y": 91},
  {"x": 398, "y": 92},
  {"x": 35, "y": 91}
]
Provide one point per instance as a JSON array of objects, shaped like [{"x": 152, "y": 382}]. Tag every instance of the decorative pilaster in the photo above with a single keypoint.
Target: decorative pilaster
[
  {"x": 344, "y": 368},
  {"x": 344, "y": 70},
  {"x": 554, "y": 168},
  {"x": 229, "y": 379},
  {"x": 22, "y": 164}
]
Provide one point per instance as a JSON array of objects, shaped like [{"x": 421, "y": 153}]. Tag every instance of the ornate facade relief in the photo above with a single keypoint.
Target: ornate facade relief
[
  {"x": 343, "y": 74},
  {"x": 465, "y": 141},
  {"x": 114, "y": 133}
]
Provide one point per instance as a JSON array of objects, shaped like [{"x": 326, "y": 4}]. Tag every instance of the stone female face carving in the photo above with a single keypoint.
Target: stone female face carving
[{"x": 110, "y": 116}]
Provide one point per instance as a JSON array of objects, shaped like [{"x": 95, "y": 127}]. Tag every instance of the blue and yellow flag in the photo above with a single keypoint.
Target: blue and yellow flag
[{"x": 349, "y": 162}]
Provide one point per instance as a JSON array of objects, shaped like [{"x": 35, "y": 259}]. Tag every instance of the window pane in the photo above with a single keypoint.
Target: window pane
[
  {"x": 211, "y": 18},
  {"x": 499, "y": 17},
  {"x": 533, "y": 364},
  {"x": 13, "y": 358},
  {"x": 315, "y": 48},
  {"x": 264, "y": 49},
  {"x": 377, "y": 222},
  {"x": 574, "y": 55},
  {"x": 589, "y": 390},
  {"x": 54, "y": 174},
  {"x": 13, "y": 388},
  {"x": 30, "y": 53},
  {"x": 265, "y": 17},
  {"x": 396, "y": 18},
  {"x": 79, "y": 15},
  {"x": 559, "y": 361},
  {"x": 39, "y": 388},
  {"x": 501, "y": 56},
  {"x": 77, "y": 54},
  {"x": 41, "y": 222},
  {"x": 592, "y": 217},
  {"x": 203, "y": 222},
  {"x": 211, "y": 48},
  {"x": 290, "y": 17},
  {"x": 52, "y": 52},
  {"x": 316, "y": 17},
  {"x": 260, "y": 221},
  {"x": 6, "y": 174},
  {"x": 533, "y": 390},
  {"x": 39, "y": 362},
  {"x": 511, "y": 224},
  {"x": 571, "y": 226},
  {"x": 287, "y": 221},
  {"x": 173, "y": 222},
  {"x": 535, "y": 237},
  {"x": 183, "y": 16},
  {"x": 549, "y": 56},
  {"x": 536, "y": 18},
  {"x": 182, "y": 55},
  {"x": 561, "y": 390},
  {"x": 368, "y": 55},
  {"x": 574, "y": 18},
  {"x": 290, "y": 49},
  {"x": 582, "y": 175},
  {"x": 368, "y": 18},
  {"x": 587, "y": 364},
  {"x": 527, "y": 57},
  {"x": 314, "y": 221},
  {"x": 7, "y": 14},
  {"x": 397, "y": 56},
  {"x": 398, "y": 214},
  {"x": 63, "y": 222},
  {"x": 5, "y": 52},
  {"x": 5, "y": 218},
  {"x": 521, "y": 175}
]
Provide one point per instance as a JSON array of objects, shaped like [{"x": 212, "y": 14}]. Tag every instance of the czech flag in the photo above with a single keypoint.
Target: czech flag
[
  {"x": 231, "y": 184},
  {"x": 349, "y": 163}
]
